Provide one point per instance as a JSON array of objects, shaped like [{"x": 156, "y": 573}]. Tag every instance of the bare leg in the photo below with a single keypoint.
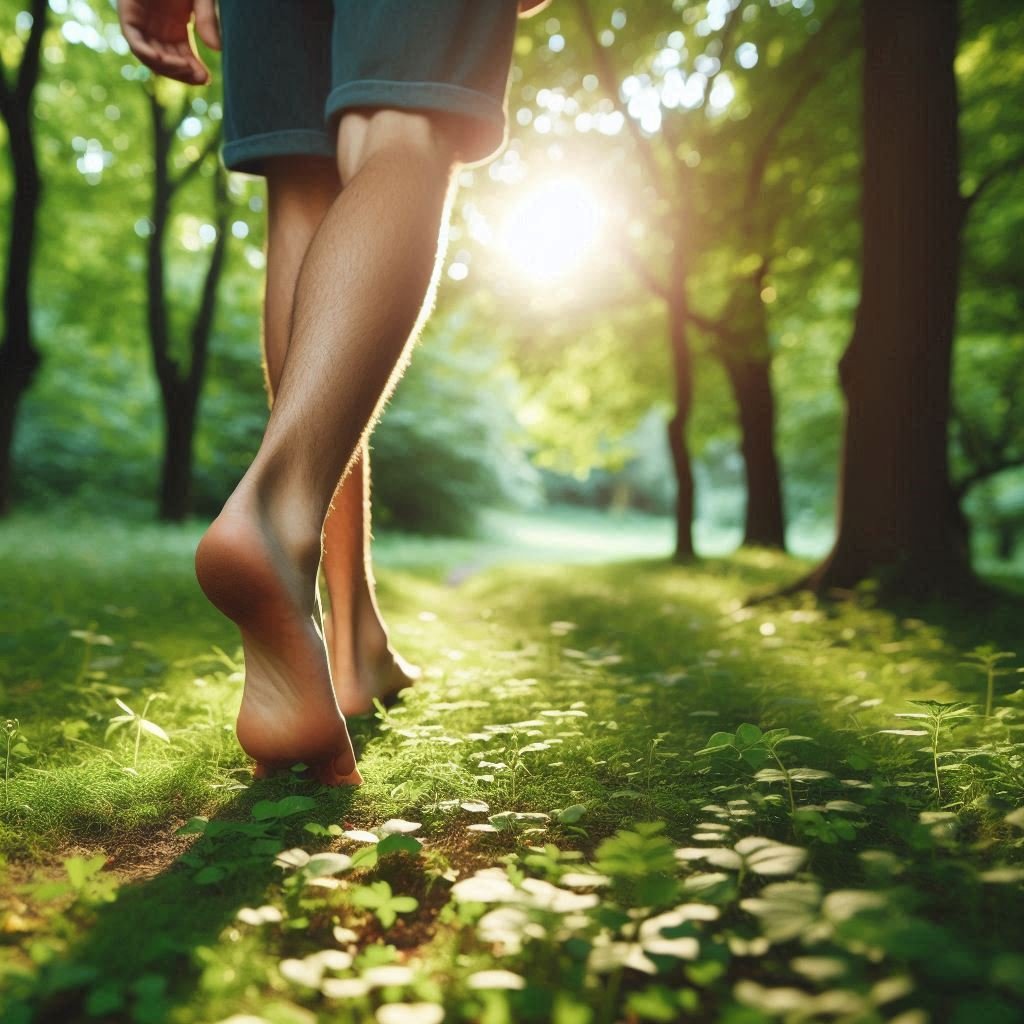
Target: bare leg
[
  {"x": 363, "y": 664},
  {"x": 360, "y": 294}
]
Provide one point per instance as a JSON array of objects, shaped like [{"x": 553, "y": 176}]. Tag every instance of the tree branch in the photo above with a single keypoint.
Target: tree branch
[
  {"x": 644, "y": 272},
  {"x": 763, "y": 152},
  {"x": 208, "y": 148},
  {"x": 202, "y": 325},
  {"x": 986, "y": 472},
  {"x": 610, "y": 83},
  {"x": 28, "y": 72},
  {"x": 1015, "y": 163}
]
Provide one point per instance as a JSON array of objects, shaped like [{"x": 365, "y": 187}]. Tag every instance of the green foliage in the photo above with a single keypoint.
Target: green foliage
[
  {"x": 690, "y": 888},
  {"x": 932, "y": 719},
  {"x": 142, "y": 725},
  {"x": 987, "y": 660},
  {"x": 378, "y": 898}
]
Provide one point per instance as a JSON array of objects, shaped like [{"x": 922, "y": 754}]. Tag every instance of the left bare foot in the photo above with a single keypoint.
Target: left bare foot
[{"x": 365, "y": 669}]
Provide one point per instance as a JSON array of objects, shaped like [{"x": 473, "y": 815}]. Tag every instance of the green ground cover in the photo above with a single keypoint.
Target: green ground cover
[{"x": 617, "y": 794}]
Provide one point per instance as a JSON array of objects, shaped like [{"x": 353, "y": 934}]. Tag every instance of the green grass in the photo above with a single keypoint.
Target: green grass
[{"x": 599, "y": 696}]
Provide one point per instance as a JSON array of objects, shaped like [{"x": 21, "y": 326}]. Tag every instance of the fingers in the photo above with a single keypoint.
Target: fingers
[
  {"x": 200, "y": 73},
  {"x": 175, "y": 60},
  {"x": 528, "y": 8},
  {"x": 207, "y": 27}
]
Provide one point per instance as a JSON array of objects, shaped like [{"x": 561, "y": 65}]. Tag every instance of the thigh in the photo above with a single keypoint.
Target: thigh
[
  {"x": 450, "y": 57},
  {"x": 276, "y": 70}
]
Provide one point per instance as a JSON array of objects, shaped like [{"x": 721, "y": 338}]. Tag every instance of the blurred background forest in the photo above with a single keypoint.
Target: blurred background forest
[{"x": 680, "y": 192}]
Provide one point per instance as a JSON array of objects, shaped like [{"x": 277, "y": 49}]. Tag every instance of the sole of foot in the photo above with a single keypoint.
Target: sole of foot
[{"x": 289, "y": 713}]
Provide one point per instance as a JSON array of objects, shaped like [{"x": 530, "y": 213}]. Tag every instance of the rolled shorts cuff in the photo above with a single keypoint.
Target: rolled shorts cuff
[
  {"x": 248, "y": 153},
  {"x": 428, "y": 96}
]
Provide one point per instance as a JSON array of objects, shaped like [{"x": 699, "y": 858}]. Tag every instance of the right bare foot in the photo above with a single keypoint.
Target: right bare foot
[{"x": 289, "y": 713}]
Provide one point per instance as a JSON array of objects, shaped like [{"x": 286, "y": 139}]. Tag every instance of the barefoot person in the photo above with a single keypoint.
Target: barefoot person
[{"x": 357, "y": 112}]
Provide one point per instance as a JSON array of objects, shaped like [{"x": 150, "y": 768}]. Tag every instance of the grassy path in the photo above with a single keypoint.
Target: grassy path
[{"x": 589, "y": 810}]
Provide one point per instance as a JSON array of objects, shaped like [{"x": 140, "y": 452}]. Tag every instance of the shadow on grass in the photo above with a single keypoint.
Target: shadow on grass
[{"x": 140, "y": 956}]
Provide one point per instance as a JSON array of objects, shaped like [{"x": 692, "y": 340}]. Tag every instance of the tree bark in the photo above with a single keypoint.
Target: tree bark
[
  {"x": 897, "y": 512},
  {"x": 682, "y": 373},
  {"x": 19, "y": 356},
  {"x": 751, "y": 383},
  {"x": 176, "y": 468},
  {"x": 180, "y": 389},
  {"x": 743, "y": 348}
]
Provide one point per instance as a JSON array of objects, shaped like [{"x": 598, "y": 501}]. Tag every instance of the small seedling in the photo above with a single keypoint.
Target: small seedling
[
  {"x": 932, "y": 718},
  {"x": 378, "y": 898},
  {"x": 15, "y": 745},
  {"x": 91, "y": 639},
  {"x": 986, "y": 660},
  {"x": 755, "y": 748},
  {"x": 142, "y": 724}
]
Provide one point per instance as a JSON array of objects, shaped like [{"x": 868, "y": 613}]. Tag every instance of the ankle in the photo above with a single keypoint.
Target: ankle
[{"x": 289, "y": 518}]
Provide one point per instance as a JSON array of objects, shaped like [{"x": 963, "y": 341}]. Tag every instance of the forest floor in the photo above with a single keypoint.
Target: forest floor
[{"x": 617, "y": 794}]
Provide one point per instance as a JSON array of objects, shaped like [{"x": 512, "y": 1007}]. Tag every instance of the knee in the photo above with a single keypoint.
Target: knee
[{"x": 426, "y": 138}]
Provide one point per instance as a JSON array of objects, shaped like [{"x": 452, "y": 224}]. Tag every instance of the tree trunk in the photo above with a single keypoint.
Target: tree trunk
[
  {"x": 176, "y": 470},
  {"x": 744, "y": 350},
  {"x": 180, "y": 388},
  {"x": 682, "y": 365},
  {"x": 19, "y": 357},
  {"x": 750, "y": 379},
  {"x": 897, "y": 515}
]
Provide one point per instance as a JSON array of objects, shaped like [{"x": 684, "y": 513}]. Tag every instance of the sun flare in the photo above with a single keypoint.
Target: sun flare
[{"x": 553, "y": 229}]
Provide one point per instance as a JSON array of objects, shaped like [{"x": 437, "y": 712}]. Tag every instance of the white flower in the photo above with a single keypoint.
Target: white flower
[
  {"x": 496, "y": 979},
  {"x": 410, "y": 1013}
]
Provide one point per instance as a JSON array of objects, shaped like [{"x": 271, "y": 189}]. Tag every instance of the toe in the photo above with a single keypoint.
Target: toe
[{"x": 331, "y": 774}]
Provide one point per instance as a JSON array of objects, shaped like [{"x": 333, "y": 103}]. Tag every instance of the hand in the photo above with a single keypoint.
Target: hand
[
  {"x": 528, "y": 8},
  {"x": 157, "y": 32}
]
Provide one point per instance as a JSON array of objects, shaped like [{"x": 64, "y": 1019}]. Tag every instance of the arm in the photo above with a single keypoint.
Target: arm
[{"x": 157, "y": 32}]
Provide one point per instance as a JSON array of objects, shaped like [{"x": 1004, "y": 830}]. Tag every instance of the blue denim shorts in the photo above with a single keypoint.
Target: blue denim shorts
[{"x": 291, "y": 68}]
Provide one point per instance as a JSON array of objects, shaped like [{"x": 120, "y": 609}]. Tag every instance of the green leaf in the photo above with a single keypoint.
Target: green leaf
[
  {"x": 808, "y": 774},
  {"x": 747, "y": 735},
  {"x": 324, "y": 865},
  {"x": 572, "y": 814},
  {"x": 755, "y": 756},
  {"x": 154, "y": 730},
  {"x": 365, "y": 858},
  {"x": 210, "y": 874},
  {"x": 785, "y": 909},
  {"x": 767, "y": 857},
  {"x": 656, "y": 1003},
  {"x": 80, "y": 870},
  {"x": 656, "y": 890},
  {"x": 398, "y": 843},
  {"x": 116, "y": 723},
  {"x": 717, "y": 741},
  {"x": 194, "y": 826},
  {"x": 268, "y": 810}
]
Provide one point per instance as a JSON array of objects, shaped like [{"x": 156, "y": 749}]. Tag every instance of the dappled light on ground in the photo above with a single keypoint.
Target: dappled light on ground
[{"x": 614, "y": 783}]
